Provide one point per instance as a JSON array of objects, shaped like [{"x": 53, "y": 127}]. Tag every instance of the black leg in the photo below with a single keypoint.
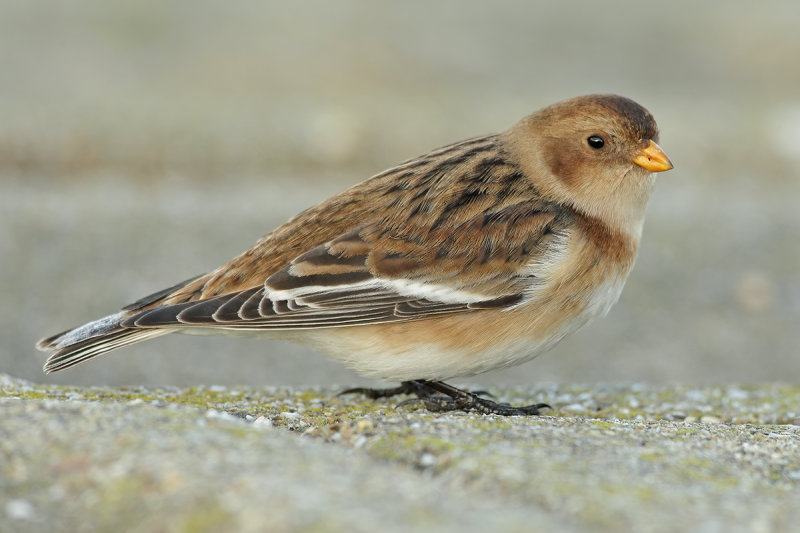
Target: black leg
[
  {"x": 406, "y": 387},
  {"x": 439, "y": 396}
]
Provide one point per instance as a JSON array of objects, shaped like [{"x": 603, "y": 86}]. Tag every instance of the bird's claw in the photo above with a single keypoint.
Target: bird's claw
[{"x": 440, "y": 397}]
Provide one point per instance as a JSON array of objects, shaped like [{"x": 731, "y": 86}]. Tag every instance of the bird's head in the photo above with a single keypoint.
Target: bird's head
[{"x": 596, "y": 153}]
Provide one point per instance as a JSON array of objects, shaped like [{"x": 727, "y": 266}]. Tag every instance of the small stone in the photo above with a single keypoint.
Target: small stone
[
  {"x": 20, "y": 509},
  {"x": 220, "y": 415},
  {"x": 427, "y": 460},
  {"x": 263, "y": 421},
  {"x": 710, "y": 419}
]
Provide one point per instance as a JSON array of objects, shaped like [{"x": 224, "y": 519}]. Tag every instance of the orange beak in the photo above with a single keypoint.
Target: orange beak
[{"x": 653, "y": 158}]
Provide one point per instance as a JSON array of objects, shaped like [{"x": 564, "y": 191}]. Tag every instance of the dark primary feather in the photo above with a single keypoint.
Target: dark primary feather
[
  {"x": 377, "y": 307},
  {"x": 76, "y": 353}
]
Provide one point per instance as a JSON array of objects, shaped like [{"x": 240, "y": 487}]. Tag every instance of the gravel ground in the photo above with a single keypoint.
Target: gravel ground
[{"x": 608, "y": 458}]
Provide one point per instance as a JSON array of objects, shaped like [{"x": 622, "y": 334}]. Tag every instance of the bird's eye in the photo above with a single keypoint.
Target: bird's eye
[{"x": 596, "y": 142}]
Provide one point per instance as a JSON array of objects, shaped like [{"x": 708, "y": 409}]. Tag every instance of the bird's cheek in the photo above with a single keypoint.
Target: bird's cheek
[{"x": 566, "y": 163}]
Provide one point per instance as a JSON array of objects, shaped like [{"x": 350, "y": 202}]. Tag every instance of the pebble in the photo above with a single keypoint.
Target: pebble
[
  {"x": 221, "y": 415},
  {"x": 427, "y": 460},
  {"x": 263, "y": 421},
  {"x": 20, "y": 510}
]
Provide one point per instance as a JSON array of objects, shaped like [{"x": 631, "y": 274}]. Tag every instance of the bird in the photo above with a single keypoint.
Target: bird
[{"x": 478, "y": 255}]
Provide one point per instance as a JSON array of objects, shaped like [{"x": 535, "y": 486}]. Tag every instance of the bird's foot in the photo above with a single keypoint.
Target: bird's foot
[
  {"x": 460, "y": 400},
  {"x": 440, "y": 397}
]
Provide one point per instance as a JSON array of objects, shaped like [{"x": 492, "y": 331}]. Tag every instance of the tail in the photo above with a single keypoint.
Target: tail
[
  {"x": 75, "y": 346},
  {"x": 80, "y": 344}
]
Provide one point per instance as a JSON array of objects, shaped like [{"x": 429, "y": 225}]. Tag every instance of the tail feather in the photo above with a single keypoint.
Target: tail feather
[{"x": 75, "y": 346}]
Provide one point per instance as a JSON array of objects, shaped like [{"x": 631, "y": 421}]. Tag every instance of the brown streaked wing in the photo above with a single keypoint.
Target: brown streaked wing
[
  {"x": 359, "y": 290},
  {"x": 385, "y": 194}
]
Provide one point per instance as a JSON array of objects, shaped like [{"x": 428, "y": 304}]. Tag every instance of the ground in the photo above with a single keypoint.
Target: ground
[{"x": 607, "y": 458}]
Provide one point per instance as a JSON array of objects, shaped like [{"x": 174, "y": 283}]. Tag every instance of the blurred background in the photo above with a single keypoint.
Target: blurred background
[{"x": 145, "y": 142}]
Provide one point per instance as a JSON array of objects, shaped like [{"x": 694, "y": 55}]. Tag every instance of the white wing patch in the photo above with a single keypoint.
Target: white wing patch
[{"x": 407, "y": 288}]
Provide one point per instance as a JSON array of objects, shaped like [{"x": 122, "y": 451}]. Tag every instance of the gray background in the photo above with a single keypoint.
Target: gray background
[{"x": 145, "y": 142}]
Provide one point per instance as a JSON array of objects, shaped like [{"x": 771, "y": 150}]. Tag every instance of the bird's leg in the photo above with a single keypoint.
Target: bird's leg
[
  {"x": 406, "y": 387},
  {"x": 417, "y": 387},
  {"x": 461, "y": 400}
]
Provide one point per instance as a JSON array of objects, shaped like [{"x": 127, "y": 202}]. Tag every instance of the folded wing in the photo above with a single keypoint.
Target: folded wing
[
  {"x": 367, "y": 277},
  {"x": 386, "y": 271}
]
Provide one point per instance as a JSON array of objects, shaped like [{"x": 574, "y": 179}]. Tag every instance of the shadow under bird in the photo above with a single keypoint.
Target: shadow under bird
[{"x": 478, "y": 255}]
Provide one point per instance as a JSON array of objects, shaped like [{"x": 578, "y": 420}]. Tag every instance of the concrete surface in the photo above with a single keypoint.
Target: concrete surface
[{"x": 608, "y": 458}]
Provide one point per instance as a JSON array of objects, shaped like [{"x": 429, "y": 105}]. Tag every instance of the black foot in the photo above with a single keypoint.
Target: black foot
[
  {"x": 460, "y": 400},
  {"x": 439, "y": 396},
  {"x": 406, "y": 387}
]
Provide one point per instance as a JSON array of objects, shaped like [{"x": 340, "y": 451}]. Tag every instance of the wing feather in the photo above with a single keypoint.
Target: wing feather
[
  {"x": 230, "y": 310},
  {"x": 367, "y": 276}
]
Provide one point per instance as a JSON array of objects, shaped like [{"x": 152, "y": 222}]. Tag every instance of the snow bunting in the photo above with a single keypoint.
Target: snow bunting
[{"x": 478, "y": 255}]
